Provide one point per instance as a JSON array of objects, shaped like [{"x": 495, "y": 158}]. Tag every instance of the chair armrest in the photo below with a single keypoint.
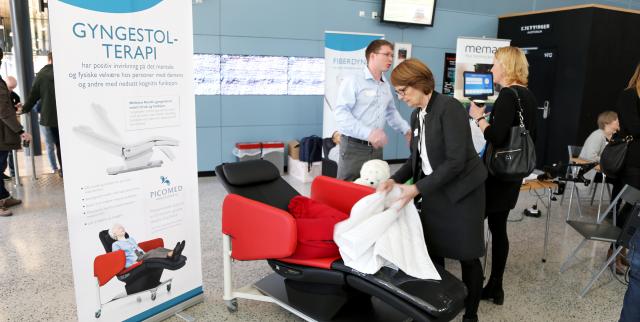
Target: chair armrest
[
  {"x": 257, "y": 230},
  {"x": 341, "y": 195},
  {"x": 106, "y": 266},
  {"x": 151, "y": 244}
]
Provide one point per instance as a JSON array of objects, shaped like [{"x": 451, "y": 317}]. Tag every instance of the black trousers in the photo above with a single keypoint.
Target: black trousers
[
  {"x": 472, "y": 279},
  {"x": 499, "y": 244}
]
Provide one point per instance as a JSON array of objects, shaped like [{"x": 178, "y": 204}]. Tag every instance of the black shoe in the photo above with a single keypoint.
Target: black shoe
[
  {"x": 493, "y": 291},
  {"x": 6, "y": 177},
  {"x": 470, "y": 319},
  {"x": 178, "y": 250},
  {"x": 174, "y": 254}
]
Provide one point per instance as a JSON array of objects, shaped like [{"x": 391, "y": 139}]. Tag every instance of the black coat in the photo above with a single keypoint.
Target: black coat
[
  {"x": 628, "y": 109},
  {"x": 503, "y": 195},
  {"x": 453, "y": 195},
  {"x": 10, "y": 128}
]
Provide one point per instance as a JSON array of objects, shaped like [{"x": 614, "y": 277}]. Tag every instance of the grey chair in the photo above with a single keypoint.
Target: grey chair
[
  {"x": 572, "y": 173},
  {"x": 603, "y": 232}
]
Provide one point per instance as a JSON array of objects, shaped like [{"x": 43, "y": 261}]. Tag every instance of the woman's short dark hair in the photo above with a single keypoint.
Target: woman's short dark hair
[
  {"x": 412, "y": 72},
  {"x": 375, "y": 45}
]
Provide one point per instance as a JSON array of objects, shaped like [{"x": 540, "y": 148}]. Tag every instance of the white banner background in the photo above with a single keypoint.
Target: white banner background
[{"x": 112, "y": 103}]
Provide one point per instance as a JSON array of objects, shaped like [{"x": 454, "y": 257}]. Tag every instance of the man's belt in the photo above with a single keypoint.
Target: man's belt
[{"x": 363, "y": 142}]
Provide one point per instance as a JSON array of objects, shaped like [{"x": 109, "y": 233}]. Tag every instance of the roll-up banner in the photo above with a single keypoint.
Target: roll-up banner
[
  {"x": 126, "y": 111},
  {"x": 475, "y": 55},
  {"x": 344, "y": 55}
]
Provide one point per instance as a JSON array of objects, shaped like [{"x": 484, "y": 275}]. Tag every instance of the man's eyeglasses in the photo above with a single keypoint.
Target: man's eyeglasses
[
  {"x": 390, "y": 55},
  {"x": 401, "y": 91}
]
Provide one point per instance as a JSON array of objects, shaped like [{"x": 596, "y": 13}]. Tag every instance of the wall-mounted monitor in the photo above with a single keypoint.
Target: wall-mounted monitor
[
  {"x": 415, "y": 12},
  {"x": 478, "y": 85}
]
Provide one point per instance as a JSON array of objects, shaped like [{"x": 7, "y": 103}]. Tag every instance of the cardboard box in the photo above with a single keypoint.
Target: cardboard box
[
  {"x": 294, "y": 149},
  {"x": 300, "y": 170}
]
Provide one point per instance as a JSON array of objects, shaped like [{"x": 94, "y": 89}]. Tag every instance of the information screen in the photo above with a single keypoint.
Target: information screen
[
  {"x": 206, "y": 74},
  {"x": 418, "y": 12},
  {"x": 253, "y": 75},
  {"x": 306, "y": 76},
  {"x": 478, "y": 84}
]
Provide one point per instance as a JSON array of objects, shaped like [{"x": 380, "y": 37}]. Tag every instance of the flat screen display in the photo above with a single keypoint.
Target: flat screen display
[
  {"x": 416, "y": 12},
  {"x": 306, "y": 76},
  {"x": 206, "y": 74},
  {"x": 478, "y": 84},
  {"x": 253, "y": 75}
]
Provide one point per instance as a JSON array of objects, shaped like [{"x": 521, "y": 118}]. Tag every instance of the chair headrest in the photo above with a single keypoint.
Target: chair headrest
[{"x": 250, "y": 172}]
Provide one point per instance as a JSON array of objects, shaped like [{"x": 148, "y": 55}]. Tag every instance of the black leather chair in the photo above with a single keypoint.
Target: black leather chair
[{"x": 256, "y": 226}]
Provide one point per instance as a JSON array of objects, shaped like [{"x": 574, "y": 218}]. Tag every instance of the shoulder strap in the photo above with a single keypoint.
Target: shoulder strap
[{"x": 519, "y": 105}]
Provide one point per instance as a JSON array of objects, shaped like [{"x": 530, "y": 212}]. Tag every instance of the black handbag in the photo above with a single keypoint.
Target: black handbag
[
  {"x": 517, "y": 158},
  {"x": 613, "y": 155}
]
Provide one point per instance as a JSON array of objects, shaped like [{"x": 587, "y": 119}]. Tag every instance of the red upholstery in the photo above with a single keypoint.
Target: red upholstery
[
  {"x": 324, "y": 263},
  {"x": 130, "y": 268},
  {"x": 106, "y": 266},
  {"x": 338, "y": 194},
  {"x": 314, "y": 222},
  {"x": 151, "y": 244},
  {"x": 257, "y": 230}
]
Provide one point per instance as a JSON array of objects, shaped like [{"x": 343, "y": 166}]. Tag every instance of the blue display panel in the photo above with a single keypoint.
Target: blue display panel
[{"x": 478, "y": 84}]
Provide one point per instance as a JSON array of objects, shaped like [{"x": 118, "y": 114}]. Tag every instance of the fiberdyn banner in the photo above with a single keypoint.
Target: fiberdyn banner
[
  {"x": 475, "y": 55},
  {"x": 124, "y": 85},
  {"x": 343, "y": 55}
]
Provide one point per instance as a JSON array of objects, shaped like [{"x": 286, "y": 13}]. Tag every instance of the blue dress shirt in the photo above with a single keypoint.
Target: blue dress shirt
[{"x": 364, "y": 104}]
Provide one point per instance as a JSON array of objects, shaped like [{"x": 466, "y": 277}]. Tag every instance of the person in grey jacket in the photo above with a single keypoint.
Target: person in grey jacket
[
  {"x": 448, "y": 176},
  {"x": 43, "y": 90},
  {"x": 11, "y": 133}
]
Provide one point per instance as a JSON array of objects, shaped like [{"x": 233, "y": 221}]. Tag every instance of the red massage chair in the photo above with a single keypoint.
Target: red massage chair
[
  {"x": 143, "y": 276},
  {"x": 257, "y": 226}
]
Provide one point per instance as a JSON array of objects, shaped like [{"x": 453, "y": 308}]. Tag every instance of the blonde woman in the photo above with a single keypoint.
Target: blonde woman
[
  {"x": 628, "y": 108},
  {"x": 510, "y": 70}
]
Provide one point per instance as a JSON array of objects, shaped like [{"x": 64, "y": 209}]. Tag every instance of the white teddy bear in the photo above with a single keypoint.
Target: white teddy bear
[{"x": 374, "y": 172}]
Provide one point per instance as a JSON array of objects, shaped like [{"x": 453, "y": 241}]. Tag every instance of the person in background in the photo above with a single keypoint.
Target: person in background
[
  {"x": 510, "y": 70},
  {"x": 608, "y": 125},
  {"x": 12, "y": 83},
  {"x": 43, "y": 90},
  {"x": 630, "y": 306},
  {"x": 364, "y": 102},
  {"x": 628, "y": 109},
  {"x": 11, "y": 135},
  {"x": 448, "y": 175},
  {"x": 49, "y": 142}
]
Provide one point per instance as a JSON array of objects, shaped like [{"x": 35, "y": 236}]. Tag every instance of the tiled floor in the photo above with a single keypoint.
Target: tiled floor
[{"x": 36, "y": 281}]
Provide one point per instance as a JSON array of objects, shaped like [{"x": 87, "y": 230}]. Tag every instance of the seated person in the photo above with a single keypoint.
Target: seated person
[
  {"x": 595, "y": 143},
  {"x": 134, "y": 254},
  {"x": 334, "y": 153}
]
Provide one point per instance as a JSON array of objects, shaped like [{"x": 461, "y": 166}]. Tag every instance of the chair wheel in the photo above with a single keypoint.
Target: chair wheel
[
  {"x": 168, "y": 287},
  {"x": 98, "y": 314},
  {"x": 153, "y": 296},
  {"x": 232, "y": 305}
]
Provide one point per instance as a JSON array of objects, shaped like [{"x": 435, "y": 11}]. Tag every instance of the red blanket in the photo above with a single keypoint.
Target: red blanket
[{"x": 315, "y": 222}]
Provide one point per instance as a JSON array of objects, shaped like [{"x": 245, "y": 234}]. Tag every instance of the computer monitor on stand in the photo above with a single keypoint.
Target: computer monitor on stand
[{"x": 477, "y": 86}]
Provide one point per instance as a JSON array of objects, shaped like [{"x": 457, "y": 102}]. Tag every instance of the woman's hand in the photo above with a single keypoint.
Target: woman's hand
[
  {"x": 407, "y": 194},
  {"x": 476, "y": 112},
  {"x": 385, "y": 186}
]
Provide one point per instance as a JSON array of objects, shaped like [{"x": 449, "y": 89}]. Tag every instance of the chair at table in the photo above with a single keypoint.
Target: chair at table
[{"x": 606, "y": 232}]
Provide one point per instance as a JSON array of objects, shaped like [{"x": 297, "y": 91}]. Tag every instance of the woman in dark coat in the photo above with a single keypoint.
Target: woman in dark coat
[
  {"x": 448, "y": 174},
  {"x": 628, "y": 108},
  {"x": 510, "y": 70}
]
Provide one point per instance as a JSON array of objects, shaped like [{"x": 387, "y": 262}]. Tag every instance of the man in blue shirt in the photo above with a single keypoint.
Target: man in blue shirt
[{"x": 365, "y": 102}]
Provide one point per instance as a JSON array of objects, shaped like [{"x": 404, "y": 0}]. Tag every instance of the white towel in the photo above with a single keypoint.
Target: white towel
[{"x": 380, "y": 234}]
